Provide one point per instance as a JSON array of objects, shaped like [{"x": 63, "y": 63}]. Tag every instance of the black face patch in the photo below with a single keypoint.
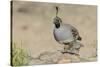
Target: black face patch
[{"x": 57, "y": 25}]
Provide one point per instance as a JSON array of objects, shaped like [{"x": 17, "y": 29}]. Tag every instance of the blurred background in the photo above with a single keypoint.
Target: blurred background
[{"x": 33, "y": 26}]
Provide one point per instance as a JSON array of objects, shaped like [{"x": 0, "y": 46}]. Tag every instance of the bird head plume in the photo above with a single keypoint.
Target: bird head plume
[
  {"x": 57, "y": 19},
  {"x": 56, "y": 11}
]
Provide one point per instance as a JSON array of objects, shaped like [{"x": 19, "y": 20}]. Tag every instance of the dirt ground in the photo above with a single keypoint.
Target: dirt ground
[{"x": 33, "y": 26}]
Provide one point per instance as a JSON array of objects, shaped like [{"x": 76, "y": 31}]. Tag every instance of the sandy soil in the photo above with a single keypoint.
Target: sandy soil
[{"x": 33, "y": 26}]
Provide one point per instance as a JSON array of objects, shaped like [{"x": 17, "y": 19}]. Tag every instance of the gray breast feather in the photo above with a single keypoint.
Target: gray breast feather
[{"x": 66, "y": 33}]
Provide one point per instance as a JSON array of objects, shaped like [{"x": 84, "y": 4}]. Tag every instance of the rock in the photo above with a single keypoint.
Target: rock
[
  {"x": 64, "y": 59},
  {"x": 55, "y": 58},
  {"x": 75, "y": 58}
]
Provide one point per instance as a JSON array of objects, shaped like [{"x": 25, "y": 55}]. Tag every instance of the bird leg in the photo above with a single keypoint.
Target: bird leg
[
  {"x": 66, "y": 48},
  {"x": 75, "y": 48}
]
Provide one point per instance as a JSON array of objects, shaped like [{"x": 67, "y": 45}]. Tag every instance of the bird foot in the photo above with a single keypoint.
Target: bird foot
[{"x": 69, "y": 52}]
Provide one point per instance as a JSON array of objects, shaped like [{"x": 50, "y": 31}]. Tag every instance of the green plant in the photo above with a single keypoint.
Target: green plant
[{"x": 19, "y": 56}]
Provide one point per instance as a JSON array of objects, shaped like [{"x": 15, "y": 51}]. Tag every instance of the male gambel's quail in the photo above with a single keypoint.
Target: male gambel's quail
[{"x": 65, "y": 33}]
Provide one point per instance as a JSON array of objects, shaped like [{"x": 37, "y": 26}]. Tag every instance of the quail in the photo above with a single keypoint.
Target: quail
[{"x": 65, "y": 34}]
